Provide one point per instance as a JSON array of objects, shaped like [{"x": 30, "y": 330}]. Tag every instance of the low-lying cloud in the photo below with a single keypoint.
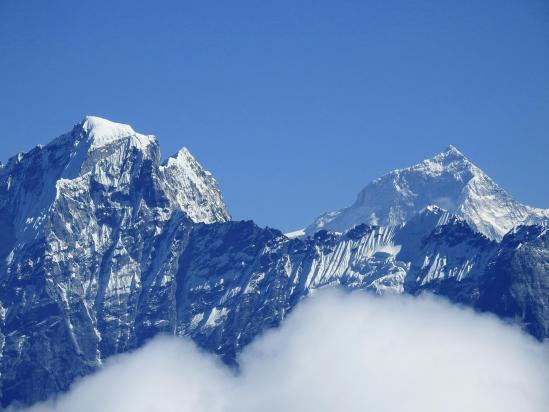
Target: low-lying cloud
[{"x": 336, "y": 352}]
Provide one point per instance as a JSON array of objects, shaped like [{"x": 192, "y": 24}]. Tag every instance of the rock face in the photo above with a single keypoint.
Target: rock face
[
  {"x": 448, "y": 180},
  {"x": 104, "y": 246},
  {"x": 516, "y": 284}
]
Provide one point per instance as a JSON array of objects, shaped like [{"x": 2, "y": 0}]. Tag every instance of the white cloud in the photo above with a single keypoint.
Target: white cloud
[{"x": 336, "y": 352}]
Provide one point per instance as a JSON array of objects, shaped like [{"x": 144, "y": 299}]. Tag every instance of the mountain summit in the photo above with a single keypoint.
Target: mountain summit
[
  {"x": 448, "y": 180},
  {"x": 102, "y": 132}
]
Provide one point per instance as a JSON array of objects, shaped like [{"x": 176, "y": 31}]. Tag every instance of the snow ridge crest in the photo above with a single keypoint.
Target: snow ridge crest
[{"x": 102, "y": 132}]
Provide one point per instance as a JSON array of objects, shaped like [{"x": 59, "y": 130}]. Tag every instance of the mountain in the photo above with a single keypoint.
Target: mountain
[
  {"x": 105, "y": 246},
  {"x": 448, "y": 180},
  {"x": 90, "y": 225}
]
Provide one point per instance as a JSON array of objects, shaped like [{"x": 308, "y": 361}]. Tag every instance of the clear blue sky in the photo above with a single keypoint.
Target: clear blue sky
[{"x": 293, "y": 105}]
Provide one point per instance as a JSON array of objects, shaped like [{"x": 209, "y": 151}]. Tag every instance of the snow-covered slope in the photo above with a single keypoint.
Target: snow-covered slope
[{"x": 448, "y": 180}]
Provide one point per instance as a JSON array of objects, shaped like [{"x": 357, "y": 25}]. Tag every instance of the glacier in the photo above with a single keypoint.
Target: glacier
[{"x": 105, "y": 246}]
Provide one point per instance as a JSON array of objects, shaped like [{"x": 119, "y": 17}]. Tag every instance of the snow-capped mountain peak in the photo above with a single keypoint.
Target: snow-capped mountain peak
[
  {"x": 192, "y": 189},
  {"x": 102, "y": 132},
  {"x": 448, "y": 180},
  {"x": 452, "y": 152},
  {"x": 100, "y": 156},
  {"x": 181, "y": 159},
  {"x": 450, "y": 161}
]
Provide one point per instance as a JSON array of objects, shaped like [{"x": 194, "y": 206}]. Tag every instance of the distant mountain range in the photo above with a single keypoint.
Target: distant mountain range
[{"x": 105, "y": 246}]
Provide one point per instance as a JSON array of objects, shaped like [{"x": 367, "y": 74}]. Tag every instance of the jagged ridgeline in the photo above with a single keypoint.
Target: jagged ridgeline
[{"x": 104, "y": 246}]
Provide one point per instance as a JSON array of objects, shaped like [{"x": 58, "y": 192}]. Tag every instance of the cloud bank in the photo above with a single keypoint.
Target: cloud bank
[{"x": 336, "y": 352}]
